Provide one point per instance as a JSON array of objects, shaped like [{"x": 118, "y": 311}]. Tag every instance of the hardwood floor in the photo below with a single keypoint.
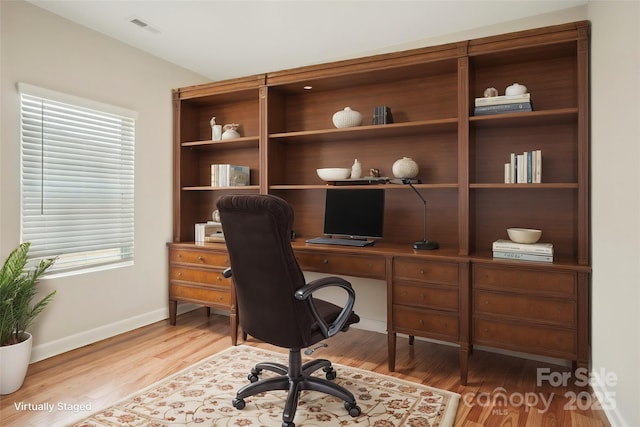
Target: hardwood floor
[{"x": 502, "y": 390}]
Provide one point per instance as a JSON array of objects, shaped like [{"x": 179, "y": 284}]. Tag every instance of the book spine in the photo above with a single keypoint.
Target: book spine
[
  {"x": 529, "y": 167},
  {"x": 522, "y": 256},
  {"x": 538, "y": 170},
  {"x": 522, "y": 248},
  {"x": 502, "y": 108},
  {"x": 498, "y": 100},
  {"x": 507, "y": 173},
  {"x": 520, "y": 165},
  {"x": 513, "y": 167}
]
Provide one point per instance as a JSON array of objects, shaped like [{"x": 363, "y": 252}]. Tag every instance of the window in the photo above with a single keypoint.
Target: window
[{"x": 77, "y": 179}]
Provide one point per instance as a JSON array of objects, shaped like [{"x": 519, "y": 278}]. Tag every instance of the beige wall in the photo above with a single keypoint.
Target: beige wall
[
  {"x": 45, "y": 50},
  {"x": 42, "y": 49}
]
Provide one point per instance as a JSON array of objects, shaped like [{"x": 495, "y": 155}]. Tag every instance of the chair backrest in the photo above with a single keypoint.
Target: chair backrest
[{"x": 257, "y": 230}]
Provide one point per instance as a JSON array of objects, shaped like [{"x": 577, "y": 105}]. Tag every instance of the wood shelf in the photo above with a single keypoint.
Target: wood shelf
[
  {"x": 364, "y": 132},
  {"x": 546, "y": 186},
  {"x": 242, "y": 142},
  {"x": 229, "y": 188}
]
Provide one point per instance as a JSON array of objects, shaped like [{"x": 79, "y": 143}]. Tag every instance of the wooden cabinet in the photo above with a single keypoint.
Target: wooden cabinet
[
  {"x": 458, "y": 293},
  {"x": 195, "y": 276}
]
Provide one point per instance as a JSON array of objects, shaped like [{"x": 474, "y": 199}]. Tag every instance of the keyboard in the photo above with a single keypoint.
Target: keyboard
[{"x": 342, "y": 242}]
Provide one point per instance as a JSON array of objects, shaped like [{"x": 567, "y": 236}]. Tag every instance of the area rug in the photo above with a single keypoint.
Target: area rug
[{"x": 201, "y": 396}]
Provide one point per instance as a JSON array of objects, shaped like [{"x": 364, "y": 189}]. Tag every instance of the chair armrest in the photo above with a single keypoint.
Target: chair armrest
[{"x": 306, "y": 293}]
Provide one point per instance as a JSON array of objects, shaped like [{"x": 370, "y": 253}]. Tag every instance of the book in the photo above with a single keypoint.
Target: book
[
  {"x": 522, "y": 256},
  {"x": 225, "y": 175},
  {"x": 382, "y": 115},
  {"x": 502, "y": 108},
  {"x": 503, "y": 99},
  {"x": 504, "y": 245},
  {"x": 525, "y": 168}
]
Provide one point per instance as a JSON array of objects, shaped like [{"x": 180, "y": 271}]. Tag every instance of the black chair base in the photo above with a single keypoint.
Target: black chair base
[{"x": 295, "y": 378}]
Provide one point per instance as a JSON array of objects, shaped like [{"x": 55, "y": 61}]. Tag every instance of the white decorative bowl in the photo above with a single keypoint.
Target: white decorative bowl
[
  {"x": 333, "y": 174},
  {"x": 524, "y": 235},
  {"x": 347, "y": 118}
]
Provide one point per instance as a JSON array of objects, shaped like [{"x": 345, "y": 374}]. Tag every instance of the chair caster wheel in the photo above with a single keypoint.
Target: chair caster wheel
[
  {"x": 286, "y": 424},
  {"x": 354, "y": 410},
  {"x": 238, "y": 403},
  {"x": 331, "y": 374},
  {"x": 253, "y": 376}
]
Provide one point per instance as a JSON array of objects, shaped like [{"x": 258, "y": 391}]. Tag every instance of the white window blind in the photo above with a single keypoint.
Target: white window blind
[{"x": 77, "y": 179}]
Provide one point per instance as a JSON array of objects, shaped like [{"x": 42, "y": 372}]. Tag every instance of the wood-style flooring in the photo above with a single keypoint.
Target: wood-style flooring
[{"x": 501, "y": 390}]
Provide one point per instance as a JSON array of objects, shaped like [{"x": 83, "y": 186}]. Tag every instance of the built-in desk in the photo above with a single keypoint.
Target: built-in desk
[{"x": 536, "y": 308}]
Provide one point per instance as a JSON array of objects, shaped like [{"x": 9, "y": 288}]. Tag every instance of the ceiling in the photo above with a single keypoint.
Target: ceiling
[{"x": 225, "y": 39}]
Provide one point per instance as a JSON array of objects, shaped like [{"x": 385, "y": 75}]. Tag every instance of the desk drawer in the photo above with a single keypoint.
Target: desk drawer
[
  {"x": 528, "y": 338},
  {"x": 425, "y": 271},
  {"x": 352, "y": 265},
  {"x": 425, "y": 323},
  {"x": 439, "y": 298},
  {"x": 533, "y": 281},
  {"x": 206, "y": 277},
  {"x": 522, "y": 307},
  {"x": 199, "y": 257},
  {"x": 206, "y": 296}
]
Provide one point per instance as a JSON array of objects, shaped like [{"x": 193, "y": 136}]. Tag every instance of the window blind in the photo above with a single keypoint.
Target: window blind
[{"x": 77, "y": 180}]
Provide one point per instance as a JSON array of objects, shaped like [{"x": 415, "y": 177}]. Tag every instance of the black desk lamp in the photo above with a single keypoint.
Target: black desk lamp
[{"x": 424, "y": 244}]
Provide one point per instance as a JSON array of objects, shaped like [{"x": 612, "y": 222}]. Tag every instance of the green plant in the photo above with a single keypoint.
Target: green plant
[{"x": 17, "y": 291}]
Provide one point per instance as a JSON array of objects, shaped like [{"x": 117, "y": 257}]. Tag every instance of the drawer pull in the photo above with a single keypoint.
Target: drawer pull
[
  {"x": 421, "y": 322},
  {"x": 421, "y": 271},
  {"x": 200, "y": 258},
  {"x": 179, "y": 273},
  {"x": 325, "y": 261}
]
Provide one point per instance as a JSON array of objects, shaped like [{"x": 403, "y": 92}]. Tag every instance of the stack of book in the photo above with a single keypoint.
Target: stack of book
[
  {"x": 223, "y": 175},
  {"x": 382, "y": 115},
  {"x": 525, "y": 168},
  {"x": 506, "y": 249},
  {"x": 503, "y": 104},
  {"x": 209, "y": 232}
]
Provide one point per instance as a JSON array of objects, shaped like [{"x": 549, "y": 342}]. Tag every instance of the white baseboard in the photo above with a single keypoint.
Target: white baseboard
[
  {"x": 607, "y": 401},
  {"x": 53, "y": 348}
]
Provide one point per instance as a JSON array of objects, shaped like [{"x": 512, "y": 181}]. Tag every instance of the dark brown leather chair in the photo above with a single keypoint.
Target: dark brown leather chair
[{"x": 275, "y": 304}]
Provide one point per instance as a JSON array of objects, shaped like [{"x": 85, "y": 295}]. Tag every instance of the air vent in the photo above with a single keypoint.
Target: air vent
[{"x": 141, "y": 24}]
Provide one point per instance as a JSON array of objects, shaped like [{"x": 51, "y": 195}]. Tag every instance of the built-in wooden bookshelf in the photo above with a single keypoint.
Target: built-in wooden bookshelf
[{"x": 287, "y": 133}]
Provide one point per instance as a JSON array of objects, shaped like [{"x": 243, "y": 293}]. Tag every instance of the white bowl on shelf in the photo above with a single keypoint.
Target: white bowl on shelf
[
  {"x": 524, "y": 235},
  {"x": 333, "y": 174}
]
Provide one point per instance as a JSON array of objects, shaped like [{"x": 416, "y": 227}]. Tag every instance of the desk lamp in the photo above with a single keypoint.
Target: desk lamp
[{"x": 424, "y": 244}]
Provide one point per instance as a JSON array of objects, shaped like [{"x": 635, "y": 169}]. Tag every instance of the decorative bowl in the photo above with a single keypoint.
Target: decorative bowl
[
  {"x": 347, "y": 118},
  {"x": 524, "y": 235},
  {"x": 333, "y": 174}
]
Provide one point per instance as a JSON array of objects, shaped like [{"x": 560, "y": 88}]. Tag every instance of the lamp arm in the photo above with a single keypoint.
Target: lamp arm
[{"x": 424, "y": 202}]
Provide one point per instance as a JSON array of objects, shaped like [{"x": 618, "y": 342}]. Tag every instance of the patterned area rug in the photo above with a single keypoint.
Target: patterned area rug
[{"x": 202, "y": 394}]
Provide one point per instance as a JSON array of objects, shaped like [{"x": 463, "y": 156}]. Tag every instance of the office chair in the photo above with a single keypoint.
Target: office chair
[{"x": 275, "y": 305}]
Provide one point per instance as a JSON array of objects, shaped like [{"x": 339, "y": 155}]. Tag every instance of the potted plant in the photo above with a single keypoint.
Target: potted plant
[{"x": 17, "y": 312}]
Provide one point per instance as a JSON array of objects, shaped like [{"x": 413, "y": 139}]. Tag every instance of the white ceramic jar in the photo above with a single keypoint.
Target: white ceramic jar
[
  {"x": 347, "y": 118},
  {"x": 405, "y": 168}
]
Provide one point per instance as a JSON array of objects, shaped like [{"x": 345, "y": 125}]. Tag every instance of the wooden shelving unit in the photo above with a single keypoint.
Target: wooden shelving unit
[{"x": 287, "y": 134}]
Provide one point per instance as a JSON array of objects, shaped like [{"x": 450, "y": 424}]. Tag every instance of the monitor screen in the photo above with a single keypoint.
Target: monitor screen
[{"x": 354, "y": 213}]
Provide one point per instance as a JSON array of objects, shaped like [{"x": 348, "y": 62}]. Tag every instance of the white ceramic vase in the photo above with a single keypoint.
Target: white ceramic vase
[
  {"x": 405, "y": 168},
  {"x": 347, "y": 118},
  {"x": 14, "y": 362}
]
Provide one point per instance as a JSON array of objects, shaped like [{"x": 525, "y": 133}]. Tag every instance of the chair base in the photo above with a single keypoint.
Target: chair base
[{"x": 295, "y": 378}]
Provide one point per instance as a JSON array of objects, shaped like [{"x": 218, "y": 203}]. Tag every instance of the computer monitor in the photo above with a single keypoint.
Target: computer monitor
[{"x": 354, "y": 213}]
